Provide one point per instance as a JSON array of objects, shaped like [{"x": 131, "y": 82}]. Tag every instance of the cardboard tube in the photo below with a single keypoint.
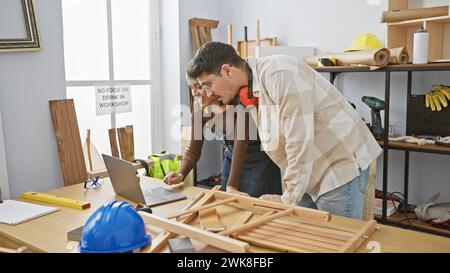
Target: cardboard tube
[
  {"x": 399, "y": 55},
  {"x": 411, "y": 14},
  {"x": 376, "y": 57}
]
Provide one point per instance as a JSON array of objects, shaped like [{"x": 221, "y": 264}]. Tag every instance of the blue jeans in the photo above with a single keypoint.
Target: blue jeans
[{"x": 347, "y": 200}]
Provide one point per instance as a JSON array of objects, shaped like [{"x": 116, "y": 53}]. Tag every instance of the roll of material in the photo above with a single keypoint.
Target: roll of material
[
  {"x": 420, "y": 49},
  {"x": 411, "y": 14},
  {"x": 376, "y": 57},
  {"x": 399, "y": 55},
  {"x": 326, "y": 62}
]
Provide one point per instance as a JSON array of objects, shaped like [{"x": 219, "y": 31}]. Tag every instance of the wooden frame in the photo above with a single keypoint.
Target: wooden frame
[
  {"x": 279, "y": 227},
  {"x": 33, "y": 40},
  {"x": 201, "y": 31}
]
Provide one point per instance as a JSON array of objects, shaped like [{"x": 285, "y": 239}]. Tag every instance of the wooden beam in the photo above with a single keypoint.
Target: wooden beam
[
  {"x": 113, "y": 142},
  {"x": 358, "y": 238},
  {"x": 216, "y": 240},
  {"x": 218, "y": 203}
]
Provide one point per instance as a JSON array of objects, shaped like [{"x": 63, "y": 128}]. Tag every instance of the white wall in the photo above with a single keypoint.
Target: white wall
[
  {"x": 4, "y": 185},
  {"x": 331, "y": 26},
  {"x": 210, "y": 161},
  {"x": 28, "y": 80}
]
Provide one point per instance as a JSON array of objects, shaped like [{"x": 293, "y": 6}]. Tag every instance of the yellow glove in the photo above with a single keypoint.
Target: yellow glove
[
  {"x": 437, "y": 99},
  {"x": 443, "y": 89}
]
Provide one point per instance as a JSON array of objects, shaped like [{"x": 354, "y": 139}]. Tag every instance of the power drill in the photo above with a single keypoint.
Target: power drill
[{"x": 376, "y": 105}]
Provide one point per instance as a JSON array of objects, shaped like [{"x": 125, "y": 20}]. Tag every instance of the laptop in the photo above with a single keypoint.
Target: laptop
[{"x": 126, "y": 184}]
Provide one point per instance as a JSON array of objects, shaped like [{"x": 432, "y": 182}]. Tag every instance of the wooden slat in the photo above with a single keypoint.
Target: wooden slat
[
  {"x": 161, "y": 239},
  {"x": 123, "y": 142},
  {"x": 243, "y": 219},
  {"x": 307, "y": 230},
  {"x": 113, "y": 142},
  {"x": 207, "y": 237},
  {"x": 321, "y": 245},
  {"x": 358, "y": 238},
  {"x": 272, "y": 245},
  {"x": 88, "y": 147},
  {"x": 300, "y": 234},
  {"x": 323, "y": 225},
  {"x": 130, "y": 142},
  {"x": 202, "y": 34},
  {"x": 260, "y": 221},
  {"x": 287, "y": 242},
  {"x": 317, "y": 228},
  {"x": 195, "y": 38},
  {"x": 204, "y": 22},
  {"x": 68, "y": 139},
  {"x": 215, "y": 204}
]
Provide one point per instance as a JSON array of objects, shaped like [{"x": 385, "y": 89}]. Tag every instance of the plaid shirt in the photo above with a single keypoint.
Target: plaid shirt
[{"x": 321, "y": 142}]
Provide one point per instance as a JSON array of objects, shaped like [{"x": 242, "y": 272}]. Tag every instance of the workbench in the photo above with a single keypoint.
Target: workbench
[{"x": 49, "y": 233}]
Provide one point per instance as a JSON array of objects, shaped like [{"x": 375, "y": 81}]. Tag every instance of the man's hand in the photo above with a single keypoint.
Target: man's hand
[
  {"x": 271, "y": 197},
  {"x": 173, "y": 178},
  {"x": 233, "y": 190}
]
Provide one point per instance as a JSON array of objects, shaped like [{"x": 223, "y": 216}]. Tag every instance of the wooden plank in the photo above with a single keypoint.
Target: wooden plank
[
  {"x": 216, "y": 240},
  {"x": 68, "y": 140},
  {"x": 322, "y": 225},
  {"x": 161, "y": 239},
  {"x": 195, "y": 36},
  {"x": 204, "y": 22},
  {"x": 230, "y": 34},
  {"x": 300, "y": 234},
  {"x": 287, "y": 242},
  {"x": 209, "y": 220},
  {"x": 271, "y": 245},
  {"x": 305, "y": 214},
  {"x": 123, "y": 142},
  {"x": 319, "y": 245},
  {"x": 113, "y": 142},
  {"x": 320, "y": 229},
  {"x": 436, "y": 39},
  {"x": 260, "y": 221},
  {"x": 88, "y": 147},
  {"x": 358, "y": 238},
  {"x": 130, "y": 142},
  {"x": 202, "y": 35},
  {"x": 243, "y": 219},
  {"x": 215, "y": 204}
]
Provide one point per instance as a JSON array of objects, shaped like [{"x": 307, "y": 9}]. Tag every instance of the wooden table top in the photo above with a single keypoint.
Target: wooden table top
[{"x": 49, "y": 233}]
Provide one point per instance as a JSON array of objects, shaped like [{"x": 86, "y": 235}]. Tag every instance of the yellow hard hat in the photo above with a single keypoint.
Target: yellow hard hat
[{"x": 366, "y": 41}]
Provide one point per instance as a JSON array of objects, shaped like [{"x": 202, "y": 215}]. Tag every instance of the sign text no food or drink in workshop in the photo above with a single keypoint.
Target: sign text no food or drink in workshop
[{"x": 112, "y": 99}]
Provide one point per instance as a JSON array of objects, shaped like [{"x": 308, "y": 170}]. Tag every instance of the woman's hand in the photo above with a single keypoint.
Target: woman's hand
[
  {"x": 173, "y": 178},
  {"x": 233, "y": 190}
]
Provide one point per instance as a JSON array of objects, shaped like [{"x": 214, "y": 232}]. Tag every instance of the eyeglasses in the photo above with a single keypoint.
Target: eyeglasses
[{"x": 92, "y": 183}]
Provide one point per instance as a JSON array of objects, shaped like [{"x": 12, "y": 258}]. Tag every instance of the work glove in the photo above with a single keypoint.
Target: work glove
[{"x": 439, "y": 98}]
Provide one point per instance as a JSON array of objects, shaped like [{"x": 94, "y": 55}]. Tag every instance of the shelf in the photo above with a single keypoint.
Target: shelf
[
  {"x": 396, "y": 68},
  {"x": 419, "y": 22},
  {"x": 434, "y": 149},
  {"x": 400, "y": 220}
]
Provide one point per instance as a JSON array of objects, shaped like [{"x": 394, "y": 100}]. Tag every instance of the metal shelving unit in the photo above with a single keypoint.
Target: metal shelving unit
[{"x": 385, "y": 144}]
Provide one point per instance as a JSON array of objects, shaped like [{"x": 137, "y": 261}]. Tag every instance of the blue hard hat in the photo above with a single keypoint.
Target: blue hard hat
[{"x": 114, "y": 228}]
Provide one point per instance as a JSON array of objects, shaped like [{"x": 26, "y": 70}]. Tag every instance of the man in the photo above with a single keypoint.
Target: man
[{"x": 323, "y": 146}]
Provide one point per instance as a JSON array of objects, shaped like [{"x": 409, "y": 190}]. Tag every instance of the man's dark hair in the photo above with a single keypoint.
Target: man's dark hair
[{"x": 210, "y": 57}]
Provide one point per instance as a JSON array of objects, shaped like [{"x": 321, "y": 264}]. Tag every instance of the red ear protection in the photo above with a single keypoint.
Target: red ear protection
[{"x": 244, "y": 97}]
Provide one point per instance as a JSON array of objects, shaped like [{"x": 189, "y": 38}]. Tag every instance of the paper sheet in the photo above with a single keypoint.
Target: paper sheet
[{"x": 15, "y": 212}]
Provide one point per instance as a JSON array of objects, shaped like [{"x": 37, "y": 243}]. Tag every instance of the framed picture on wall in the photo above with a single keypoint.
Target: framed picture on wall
[{"x": 18, "y": 26}]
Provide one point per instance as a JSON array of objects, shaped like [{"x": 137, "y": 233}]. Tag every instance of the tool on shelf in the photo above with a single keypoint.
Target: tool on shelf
[{"x": 376, "y": 105}]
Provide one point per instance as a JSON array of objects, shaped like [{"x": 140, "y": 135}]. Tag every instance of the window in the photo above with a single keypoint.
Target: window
[{"x": 111, "y": 43}]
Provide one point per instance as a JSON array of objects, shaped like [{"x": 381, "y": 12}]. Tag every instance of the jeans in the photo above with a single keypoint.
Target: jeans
[{"x": 347, "y": 200}]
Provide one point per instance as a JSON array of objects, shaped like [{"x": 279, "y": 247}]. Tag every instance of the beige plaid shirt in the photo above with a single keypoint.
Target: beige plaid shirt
[{"x": 308, "y": 128}]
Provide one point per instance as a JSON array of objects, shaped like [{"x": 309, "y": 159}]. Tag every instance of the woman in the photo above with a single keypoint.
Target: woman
[{"x": 246, "y": 170}]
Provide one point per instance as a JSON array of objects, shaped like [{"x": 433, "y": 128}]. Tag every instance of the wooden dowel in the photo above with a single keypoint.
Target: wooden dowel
[
  {"x": 218, "y": 203},
  {"x": 258, "y": 37},
  {"x": 193, "y": 201},
  {"x": 260, "y": 221},
  {"x": 230, "y": 34}
]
